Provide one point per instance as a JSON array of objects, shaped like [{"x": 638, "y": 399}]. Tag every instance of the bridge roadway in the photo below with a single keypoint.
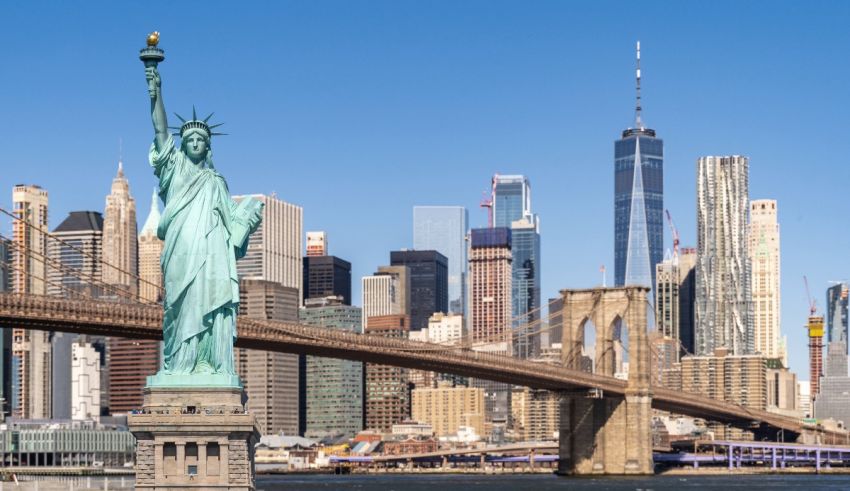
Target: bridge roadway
[{"x": 142, "y": 321}]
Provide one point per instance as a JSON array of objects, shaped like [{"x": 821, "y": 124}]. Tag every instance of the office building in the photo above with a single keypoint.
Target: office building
[
  {"x": 428, "y": 276},
  {"x": 334, "y": 388},
  {"x": 5, "y": 333},
  {"x": 326, "y": 276},
  {"x": 525, "y": 285},
  {"x": 274, "y": 250},
  {"x": 30, "y": 349},
  {"x": 447, "y": 408},
  {"x": 674, "y": 299},
  {"x": 765, "y": 282},
  {"x": 739, "y": 380},
  {"x": 387, "y": 392},
  {"x": 387, "y": 292},
  {"x": 443, "y": 229},
  {"x": 490, "y": 287},
  {"x": 723, "y": 314},
  {"x": 638, "y": 200},
  {"x": 120, "y": 243},
  {"x": 132, "y": 360},
  {"x": 804, "y": 397},
  {"x": 781, "y": 388},
  {"x": 836, "y": 312},
  {"x": 66, "y": 443},
  {"x": 272, "y": 380},
  {"x": 74, "y": 260},
  {"x": 833, "y": 398},
  {"x": 511, "y": 199},
  {"x": 317, "y": 244}
]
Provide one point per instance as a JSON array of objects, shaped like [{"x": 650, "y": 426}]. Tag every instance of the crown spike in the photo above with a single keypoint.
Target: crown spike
[
  {"x": 207, "y": 119},
  {"x": 213, "y": 126},
  {"x": 194, "y": 115},
  {"x": 181, "y": 118}
]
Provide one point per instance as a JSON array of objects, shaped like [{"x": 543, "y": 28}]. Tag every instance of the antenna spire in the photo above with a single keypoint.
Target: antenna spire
[{"x": 638, "y": 121}]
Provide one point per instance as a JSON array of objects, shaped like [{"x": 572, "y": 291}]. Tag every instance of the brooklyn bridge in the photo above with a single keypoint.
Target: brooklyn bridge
[{"x": 605, "y": 421}]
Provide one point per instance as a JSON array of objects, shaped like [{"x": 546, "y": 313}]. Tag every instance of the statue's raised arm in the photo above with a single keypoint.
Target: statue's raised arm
[{"x": 151, "y": 56}]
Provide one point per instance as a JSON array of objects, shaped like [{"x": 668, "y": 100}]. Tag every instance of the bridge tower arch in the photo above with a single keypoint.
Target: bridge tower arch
[{"x": 602, "y": 433}]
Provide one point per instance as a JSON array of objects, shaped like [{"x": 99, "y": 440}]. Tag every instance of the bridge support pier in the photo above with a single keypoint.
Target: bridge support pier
[
  {"x": 609, "y": 435},
  {"x": 606, "y": 433}
]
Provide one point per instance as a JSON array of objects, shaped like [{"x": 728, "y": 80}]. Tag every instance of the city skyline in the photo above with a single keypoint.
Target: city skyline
[{"x": 568, "y": 264}]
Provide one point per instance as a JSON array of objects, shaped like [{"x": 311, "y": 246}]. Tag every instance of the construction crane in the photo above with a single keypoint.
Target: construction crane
[
  {"x": 487, "y": 201},
  {"x": 812, "y": 302},
  {"x": 815, "y": 330},
  {"x": 674, "y": 232}
]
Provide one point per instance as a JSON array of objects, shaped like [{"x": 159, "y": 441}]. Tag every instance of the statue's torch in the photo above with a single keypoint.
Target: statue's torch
[{"x": 151, "y": 55}]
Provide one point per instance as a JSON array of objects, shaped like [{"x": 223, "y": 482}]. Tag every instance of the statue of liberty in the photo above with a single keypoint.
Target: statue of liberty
[{"x": 204, "y": 233}]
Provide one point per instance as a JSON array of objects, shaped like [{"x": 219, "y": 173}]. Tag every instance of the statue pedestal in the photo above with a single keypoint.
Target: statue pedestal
[{"x": 194, "y": 438}]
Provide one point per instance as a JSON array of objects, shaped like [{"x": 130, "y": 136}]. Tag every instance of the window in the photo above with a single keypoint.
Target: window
[
  {"x": 169, "y": 458},
  {"x": 213, "y": 458},
  {"x": 191, "y": 458}
]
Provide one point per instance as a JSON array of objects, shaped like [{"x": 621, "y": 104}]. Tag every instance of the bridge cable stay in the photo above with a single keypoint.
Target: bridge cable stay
[
  {"x": 86, "y": 278},
  {"x": 77, "y": 249},
  {"x": 10, "y": 266}
]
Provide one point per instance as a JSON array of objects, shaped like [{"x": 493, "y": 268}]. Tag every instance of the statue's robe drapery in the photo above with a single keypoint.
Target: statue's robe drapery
[{"x": 203, "y": 235}]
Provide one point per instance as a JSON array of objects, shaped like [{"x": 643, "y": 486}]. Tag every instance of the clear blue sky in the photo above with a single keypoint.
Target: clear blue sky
[{"x": 358, "y": 111}]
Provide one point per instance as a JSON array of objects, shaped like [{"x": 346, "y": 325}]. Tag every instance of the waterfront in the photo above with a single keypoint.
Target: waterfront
[{"x": 411, "y": 482}]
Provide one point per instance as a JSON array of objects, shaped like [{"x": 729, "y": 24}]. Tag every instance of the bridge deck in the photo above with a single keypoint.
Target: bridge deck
[{"x": 144, "y": 322}]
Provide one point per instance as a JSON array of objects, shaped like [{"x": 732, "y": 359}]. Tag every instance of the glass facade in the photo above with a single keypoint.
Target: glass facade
[
  {"x": 334, "y": 388},
  {"x": 511, "y": 199},
  {"x": 836, "y": 313},
  {"x": 443, "y": 229},
  {"x": 428, "y": 276},
  {"x": 638, "y": 207},
  {"x": 325, "y": 276}
]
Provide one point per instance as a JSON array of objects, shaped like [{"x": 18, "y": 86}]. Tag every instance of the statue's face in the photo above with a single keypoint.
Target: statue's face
[{"x": 195, "y": 146}]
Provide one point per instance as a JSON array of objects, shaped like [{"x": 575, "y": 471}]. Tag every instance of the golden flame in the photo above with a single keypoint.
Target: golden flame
[{"x": 153, "y": 38}]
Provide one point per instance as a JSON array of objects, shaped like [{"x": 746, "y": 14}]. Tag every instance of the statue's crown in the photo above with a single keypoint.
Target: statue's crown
[{"x": 195, "y": 123}]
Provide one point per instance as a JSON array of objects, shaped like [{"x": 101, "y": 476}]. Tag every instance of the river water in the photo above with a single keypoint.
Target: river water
[{"x": 469, "y": 482}]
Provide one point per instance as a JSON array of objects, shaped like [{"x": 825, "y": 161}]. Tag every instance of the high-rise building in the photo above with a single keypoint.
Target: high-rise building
[
  {"x": 512, "y": 209},
  {"x": 273, "y": 381},
  {"x": 448, "y": 408},
  {"x": 150, "y": 251},
  {"x": 737, "y": 379},
  {"x": 836, "y": 313},
  {"x": 5, "y": 333},
  {"x": 443, "y": 229},
  {"x": 317, "y": 244},
  {"x": 428, "y": 276},
  {"x": 326, "y": 276},
  {"x": 74, "y": 271},
  {"x": 74, "y": 265},
  {"x": 674, "y": 298},
  {"x": 85, "y": 373},
  {"x": 274, "y": 250},
  {"x": 31, "y": 397},
  {"x": 445, "y": 328},
  {"x": 781, "y": 388},
  {"x": 815, "y": 331},
  {"x": 120, "y": 244},
  {"x": 833, "y": 397},
  {"x": 334, "y": 388},
  {"x": 638, "y": 201},
  {"x": 387, "y": 391},
  {"x": 525, "y": 285},
  {"x": 765, "y": 282},
  {"x": 723, "y": 314},
  {"x": 387, "y": 292},
  {"x": 490, "y": 287},
  {"x": 804, "y": 397},
  {"x": 132, "y": 360}
]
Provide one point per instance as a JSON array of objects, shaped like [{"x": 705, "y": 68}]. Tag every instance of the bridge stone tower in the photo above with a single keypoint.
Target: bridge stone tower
[{"x": 601, "y": 433}]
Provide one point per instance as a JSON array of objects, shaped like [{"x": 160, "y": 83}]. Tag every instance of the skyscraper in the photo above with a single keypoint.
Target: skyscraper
[
  {"x": 74, "y": 266},
  {"x": 334, "y": 388},
  {"x": 512, "y": 209},
  {"x": 387, "y": 391},
  {"x": 5, "y": 333},
  {"x": 120, "y": 244},
  {"x": 765, "y": 282},
  {"x": 30, "y": 349},
  {"x": 317, "y": 244},
  {"x": 428, "y": 274},
  {"x": 638, "y": 201},
  {"x": 443, "y": 229},
  {"x": 674, "y": 299},
  {"x": 836, "y": 312},
  {"x": 132, "y": 360},
  {"x": 723, "y": 314},
  {"x": 326, "y": 276},
  {"x": 490, "y": 287},
  {"x": 272, "y": 380},
  {"x": 274, "y": 250},
  {"x": 387, "y": 292},
  {"x": 74, "y": 270}
]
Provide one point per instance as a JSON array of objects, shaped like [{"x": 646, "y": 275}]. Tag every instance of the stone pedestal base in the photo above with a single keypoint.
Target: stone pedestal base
[{"x": 194, "y": 438}]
